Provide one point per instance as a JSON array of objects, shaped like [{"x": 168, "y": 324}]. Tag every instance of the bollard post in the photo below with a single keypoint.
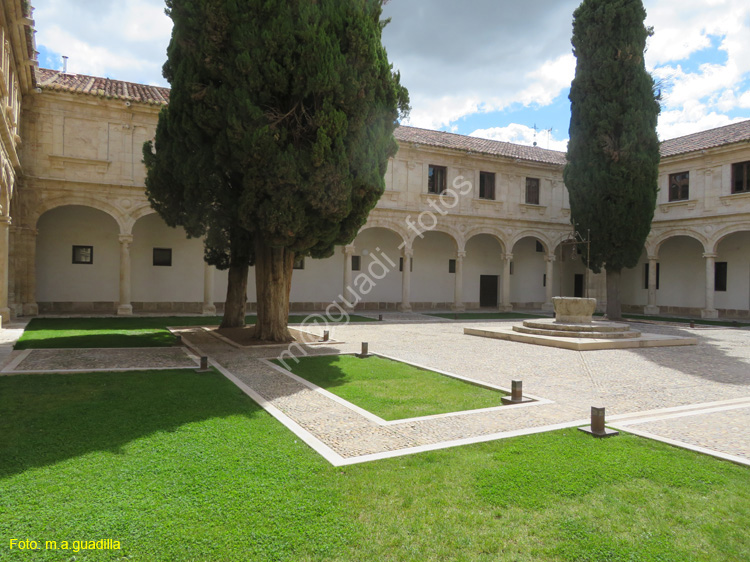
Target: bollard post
[
  {"x": 692, "y": 324},
  {"x": 364, "y": 350},
  {"x": 380, "y": 317},
  {"x": 326, "y": 335},
  {"x": 516, "y": 394},
  {"x": 597, "y": 427},
  {"x": 204, "y": 365}
]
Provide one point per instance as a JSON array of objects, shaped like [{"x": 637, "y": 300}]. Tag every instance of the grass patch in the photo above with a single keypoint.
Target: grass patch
[
  {"x": 391, "y": 389},
  {"x": 484, "y": 315},
  {"x": 151, "y": 331},
  {"x": 182, "y": 467}
]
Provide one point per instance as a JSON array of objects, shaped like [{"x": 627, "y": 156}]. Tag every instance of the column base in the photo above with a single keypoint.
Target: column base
[
  {"x": 709, "y": 313},
  {"x": 548, "y": 307},
  {"x": 30, "y": 309},
  {"x": 209, "y": 310},
  {"x": 404, "y": 307},
  {"x": 505, "y": 308},
  {"x": 125, "y": 310},
  {"x": 650, "y": 310},
  {"x": 458, "y": 307},
  {"x": 5, "y": 316}
]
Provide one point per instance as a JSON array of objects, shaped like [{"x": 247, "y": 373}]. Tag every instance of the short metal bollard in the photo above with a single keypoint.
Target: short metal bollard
[
  {"x": 365, "y": 352},
  {"x": 597, "y": 428},
  {"x": 204, "y": 365},
  {"x": 380, "y": 317},
  {"x": 516, "y": 394},
  {"x": 326, "y": 335}
]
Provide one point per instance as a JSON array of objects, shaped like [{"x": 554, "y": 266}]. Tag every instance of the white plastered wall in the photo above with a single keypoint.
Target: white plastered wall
[
  {"x": 378, "y": 249},
  {"x": 180, "y": 282},
  {"x": 682, "y": 273},
  {"x": 735, "y": 250},
  {"x": 430, "y": 280},
  {"x": 484, "y": 256},
  {"x": 529, "y": 267},
  {"x": 60, "y": 280},
  {"x": 320, "y": 280}
]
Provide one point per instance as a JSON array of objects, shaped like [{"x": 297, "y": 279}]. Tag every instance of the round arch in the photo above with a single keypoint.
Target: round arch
[
  {"x": 83, "y": 201},
  {"x": 656, "y": 244},
  {"x": 723, "y": 233},
  {"x": 530, "y": 234},
  {"x": 494, "y": 233},
  {"x": 387, "y": 225},
  {"x": 455, "y": 235}
]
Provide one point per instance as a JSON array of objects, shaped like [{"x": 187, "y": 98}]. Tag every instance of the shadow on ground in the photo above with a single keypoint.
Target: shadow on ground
[{"x": 46, "y": 419}]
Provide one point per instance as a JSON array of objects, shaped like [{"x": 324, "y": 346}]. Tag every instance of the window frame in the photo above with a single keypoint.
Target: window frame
[
  {"x": 154, "y": 259},
  {"x": 80, "y": 261},
  {"x": 533, "y": 186},
  {"x": 721, "y": 276},
  {"x": 356, "y": 263},
  {"x": 744, "y": 181},
  {"x": 484, "y": 177},
  {"x": 679, "y": 186},
  {"x": 439, "y": 175}
]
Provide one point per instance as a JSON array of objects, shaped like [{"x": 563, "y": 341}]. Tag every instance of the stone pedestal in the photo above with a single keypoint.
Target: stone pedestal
[{"x": 573, "y": 310}]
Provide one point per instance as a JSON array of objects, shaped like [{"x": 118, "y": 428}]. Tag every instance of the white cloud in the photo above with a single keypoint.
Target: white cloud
[{"x": 521, "y": 134}]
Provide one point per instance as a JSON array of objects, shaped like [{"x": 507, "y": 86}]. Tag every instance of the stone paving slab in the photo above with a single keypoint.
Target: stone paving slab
[
  {"x": 626, "y": 382},
  {"x": 90, "y": 360}
]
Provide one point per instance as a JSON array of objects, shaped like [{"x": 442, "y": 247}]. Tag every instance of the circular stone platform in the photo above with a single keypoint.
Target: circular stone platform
[{"x": 594, "y": 329}]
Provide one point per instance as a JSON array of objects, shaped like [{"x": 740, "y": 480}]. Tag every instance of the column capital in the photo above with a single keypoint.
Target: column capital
[
  {"x": 508, "y": 257},
  {"x": 709, "y": 255},
  {"x": 407, "y": 252},
  {"x": 126, "y": 238},
  {"x": 653, "y": 257},
  {"x": 460, "y": 255},
  {"x": 349, "y": 249},
  {"x": 5, "y": 221},
  {"x": 550, "y": 258}
]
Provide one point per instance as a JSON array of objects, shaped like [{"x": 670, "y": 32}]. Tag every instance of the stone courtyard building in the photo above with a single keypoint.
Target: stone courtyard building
[{"x": 463, "y": 223}]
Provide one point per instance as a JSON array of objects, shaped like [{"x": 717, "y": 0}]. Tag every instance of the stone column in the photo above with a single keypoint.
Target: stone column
[
  {"x": 651, "y": 307},
  {"x": 458, "y": 304},
  {"x": 209, "y": 308},
  {"x": 125, "y": 308},
  {"x": 550, "y": 259},
  {"x": 505, "y": 305},
  {"x": 405, "y": 305},
  {"x": 4, "y": 268},
  {"x": 710, "y": 311},
  {"x": 348, "y": 274},
  {"x": 30, "y": 307}
]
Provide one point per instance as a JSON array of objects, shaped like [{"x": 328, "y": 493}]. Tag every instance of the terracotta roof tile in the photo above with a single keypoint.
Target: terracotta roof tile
[
  {"x": 103, "y": 87},
  {"x": 737, "y": 132},
  {"x": 482, "y": 146}
]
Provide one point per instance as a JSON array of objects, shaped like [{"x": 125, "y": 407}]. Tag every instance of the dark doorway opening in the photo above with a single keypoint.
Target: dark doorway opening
[
  {"x": 488, "y": 290},
  {"x": 578, "y": 285}
]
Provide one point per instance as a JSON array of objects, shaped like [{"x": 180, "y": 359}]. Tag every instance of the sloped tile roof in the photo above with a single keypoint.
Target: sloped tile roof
[
  {"x": 482, "y": 146},
  {"x": 729, "y": 134},
  {"x": 102, "y": 87}
]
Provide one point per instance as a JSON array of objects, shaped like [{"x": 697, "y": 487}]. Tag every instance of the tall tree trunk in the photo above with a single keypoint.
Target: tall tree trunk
[
  {"x": 273, "y": 283},
  {"x": 614, "y": 309},
  {"x": 236, "y": 303}
]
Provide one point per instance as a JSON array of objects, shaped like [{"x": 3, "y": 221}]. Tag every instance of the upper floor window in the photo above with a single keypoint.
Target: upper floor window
[
  {"x": 741, "y": 177},
  {"x": 532, "y": 191},
  {"x": 436, "y": 179},
  {"x": 486, "y": 185},
  {"x": 679, "y": 186}
]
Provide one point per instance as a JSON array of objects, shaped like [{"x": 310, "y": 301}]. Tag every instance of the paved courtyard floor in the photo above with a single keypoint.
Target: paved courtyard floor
[{"x": 695, "y": 396}]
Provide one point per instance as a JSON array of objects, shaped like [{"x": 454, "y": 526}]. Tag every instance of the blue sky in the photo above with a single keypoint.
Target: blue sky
[{"x": 479, "y": 67}]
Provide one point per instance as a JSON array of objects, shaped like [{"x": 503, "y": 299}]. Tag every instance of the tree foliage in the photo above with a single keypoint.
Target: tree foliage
[
  {"x": 613, "y": 153},
  {"x": 277, "y": 134}
]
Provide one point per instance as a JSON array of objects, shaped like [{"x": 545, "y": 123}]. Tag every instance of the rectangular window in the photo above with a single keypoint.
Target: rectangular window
[
  {"x": 163, "y": 256},
  {"x": 532, "y": 191},
  {"x": 645, "y": 275},
  {"x": 451, "y": 266},
  {"x": 401, "y": 264},
  {"x": 511, "y": 268},
  {"x": 720, "y": 276},
  {"x": 436, "y": 179},
  {"x": 299, "y": 262},
  {"x": 356, "y": 263},
  {"x": 539, "y": 247},
  {"x": 679, "y": 186},
  {"x": 487, "y": 185},
  {"x": 83, "y": 254},
  {"x": 544, "y": 280},
  {"x": 741, "y": 177}
]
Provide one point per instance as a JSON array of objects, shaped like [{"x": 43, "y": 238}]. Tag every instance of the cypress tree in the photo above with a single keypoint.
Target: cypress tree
[
  {"x": 276, "y": 138},
  {"x": 613, "y": 153}
]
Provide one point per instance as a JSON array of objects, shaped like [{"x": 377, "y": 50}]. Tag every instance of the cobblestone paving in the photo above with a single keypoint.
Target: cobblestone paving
[
  {"x": 623, "y": 381},
  {"x": 41, "y": 360}
]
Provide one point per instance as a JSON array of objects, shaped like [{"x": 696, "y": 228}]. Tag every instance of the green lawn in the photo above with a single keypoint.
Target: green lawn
[
  {"x": 182, "y": 467},
  {"x": 391, "y": 389},
  {"x": 484, "y": 315},
  {"x": 148, "y": 331}
]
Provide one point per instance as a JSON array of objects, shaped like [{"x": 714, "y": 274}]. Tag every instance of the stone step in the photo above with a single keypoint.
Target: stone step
[
  {"x": 594, "y": 326},
  {"x": 610, "y": 335}
]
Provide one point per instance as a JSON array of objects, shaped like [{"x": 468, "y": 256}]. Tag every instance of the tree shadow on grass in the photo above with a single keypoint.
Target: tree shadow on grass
[{"x": 46, "y": 419}]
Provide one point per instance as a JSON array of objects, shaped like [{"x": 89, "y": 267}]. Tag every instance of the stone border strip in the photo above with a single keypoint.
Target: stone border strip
[
  {"x": 380, "y": 421},
  {"x": 11, "y": 368},
  {"x": 226, "y": 340}
]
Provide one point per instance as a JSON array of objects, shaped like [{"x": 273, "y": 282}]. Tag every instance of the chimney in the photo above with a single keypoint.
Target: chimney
[{"x": 65, "y": 64}]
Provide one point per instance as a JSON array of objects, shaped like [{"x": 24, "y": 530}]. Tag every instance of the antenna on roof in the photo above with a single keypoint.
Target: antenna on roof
[
  {"x": 65, "y": 64},
  {"x": 549, "y": 132},
  {"x": 535, "y": 130}
]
